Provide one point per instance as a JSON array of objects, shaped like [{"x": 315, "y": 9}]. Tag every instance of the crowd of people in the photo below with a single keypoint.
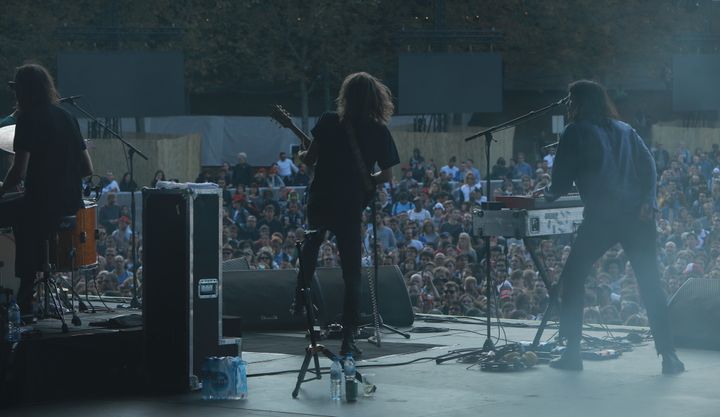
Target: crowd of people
[{"x": 424, "y": 226}]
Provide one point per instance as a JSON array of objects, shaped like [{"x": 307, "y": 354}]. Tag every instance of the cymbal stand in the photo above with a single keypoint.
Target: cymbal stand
[
  {"x": 130, "y": 153},
  {"x": 50, "y": 289}
]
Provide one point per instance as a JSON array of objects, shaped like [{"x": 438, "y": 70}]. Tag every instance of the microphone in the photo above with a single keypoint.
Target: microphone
[
  {"x": 564, "y": 99},
  {"x": 551, "y": 145},
  {"x": 69, "y": 99}
]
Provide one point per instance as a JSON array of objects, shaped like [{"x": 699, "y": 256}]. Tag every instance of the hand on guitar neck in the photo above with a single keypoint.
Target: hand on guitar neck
[
  {"x": 280, "y": 115},
  {"x": 308, "y": 154}
]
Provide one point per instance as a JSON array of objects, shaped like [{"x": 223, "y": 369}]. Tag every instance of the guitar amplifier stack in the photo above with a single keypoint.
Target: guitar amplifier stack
[{"x": 182, "y": 284}]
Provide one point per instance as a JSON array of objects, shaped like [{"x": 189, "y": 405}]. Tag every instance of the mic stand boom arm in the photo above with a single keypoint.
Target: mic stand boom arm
[
  {"x": 488, "y": 134},
  {"x": 513, "y": 122},
  {"x": 131, "y": 151}
]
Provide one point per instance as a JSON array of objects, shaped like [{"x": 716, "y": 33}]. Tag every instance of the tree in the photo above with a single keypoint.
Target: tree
[{"x": 317, "y": 42}]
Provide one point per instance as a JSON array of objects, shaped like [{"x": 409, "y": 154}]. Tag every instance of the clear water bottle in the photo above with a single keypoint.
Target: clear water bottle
[
  {"x": 336, "y": 373},
  {"x": 351, "y": 386},
  {"x": 14, "y": 322},
  {"x": 214, "y": 382},
  {"x": 241, "y": 386}
]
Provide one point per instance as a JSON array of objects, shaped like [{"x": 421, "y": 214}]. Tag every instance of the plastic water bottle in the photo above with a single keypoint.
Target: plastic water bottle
[
  {"x": 336, "y": 373},
  {"x": 351, "y": 387},
  {"x": 215, "y": 381},
  {"x": 224, "y": 378},
  {"x": 241, "y": 386},
  {"x": 14, "y": 322}
]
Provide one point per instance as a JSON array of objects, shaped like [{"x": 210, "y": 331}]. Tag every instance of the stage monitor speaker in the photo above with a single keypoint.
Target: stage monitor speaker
[
  {"x": 393, "y": 300},
  {"x": 182, "y": 286},
  {"x": 236, "y": 264},
  {"x": 263, "y": 298},
  {"x": 695, "y": 314}
]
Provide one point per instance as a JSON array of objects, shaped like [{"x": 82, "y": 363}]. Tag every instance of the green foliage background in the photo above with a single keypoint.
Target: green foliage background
[{"x": 303, "y": 48}]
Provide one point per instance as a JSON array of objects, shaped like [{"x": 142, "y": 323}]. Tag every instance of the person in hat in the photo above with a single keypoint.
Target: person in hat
[
  {"x": 714, "y": 179},
  {"x": 616, "y": 176},
  {"x": 438, "y": 214},
  {"x": 51, "y": 159},
  {"x": 238, "y": 212}
]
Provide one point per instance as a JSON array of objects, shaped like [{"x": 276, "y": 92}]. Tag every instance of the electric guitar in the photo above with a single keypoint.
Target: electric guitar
[
  {"x": 283, "y": 118},
  {"x": 280, "y": 115}
]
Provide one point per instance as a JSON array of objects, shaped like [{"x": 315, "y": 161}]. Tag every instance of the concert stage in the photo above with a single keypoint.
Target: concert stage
[{"x": 628, "y": 386}]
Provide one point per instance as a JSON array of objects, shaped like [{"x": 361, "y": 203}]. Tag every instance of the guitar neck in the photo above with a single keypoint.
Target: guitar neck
[{"x": 304, "y": 139}]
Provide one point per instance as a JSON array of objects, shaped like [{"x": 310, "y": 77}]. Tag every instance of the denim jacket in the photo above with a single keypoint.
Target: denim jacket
[{"x": 609, "y": 163}]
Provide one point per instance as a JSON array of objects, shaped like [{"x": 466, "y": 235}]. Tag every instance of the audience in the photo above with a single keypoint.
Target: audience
[{"x": 424, "y": 225}]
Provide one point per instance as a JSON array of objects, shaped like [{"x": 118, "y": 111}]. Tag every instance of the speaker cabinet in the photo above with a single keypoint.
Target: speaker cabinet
[
  {"x": 182, "y": 284},
  {"x": 236, "y": 264},
  {"x": 695, "y": 314},
  {"x": 263, "y": 298},
  {"x": 393, "y": 300}
]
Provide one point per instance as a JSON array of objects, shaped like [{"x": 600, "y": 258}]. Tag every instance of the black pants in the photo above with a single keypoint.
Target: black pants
[
  {"x": 31, "y": 231},
  {"x": 348, "y": 243},
  {"x": 594, "y": 237}
]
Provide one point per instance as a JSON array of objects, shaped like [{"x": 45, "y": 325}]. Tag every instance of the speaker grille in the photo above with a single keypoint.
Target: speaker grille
[
  {"x": 695, "y": 314},
  {"x": 237, "y": 264}
]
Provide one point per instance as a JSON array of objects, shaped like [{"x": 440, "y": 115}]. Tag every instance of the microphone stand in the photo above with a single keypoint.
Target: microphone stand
[
  {"x": 489, "y": 346},
  {"x": 373, "y": 284},
  {"x": 130, "y": 150}
]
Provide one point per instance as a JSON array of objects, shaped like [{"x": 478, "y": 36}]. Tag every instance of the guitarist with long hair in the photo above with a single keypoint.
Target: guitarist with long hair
[{"x": 346, "y": 147}]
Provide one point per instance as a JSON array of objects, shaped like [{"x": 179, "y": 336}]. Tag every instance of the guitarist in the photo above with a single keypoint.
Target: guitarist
[{"x": 347, "y": 145}]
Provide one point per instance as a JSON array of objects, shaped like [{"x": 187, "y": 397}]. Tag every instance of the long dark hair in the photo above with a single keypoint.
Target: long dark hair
[
  {"x": 589, "y": 100},
  {"x": 155, "y": 178},
  {"x": 364, "y": 98},
  {"x": 34, "y": 87}
]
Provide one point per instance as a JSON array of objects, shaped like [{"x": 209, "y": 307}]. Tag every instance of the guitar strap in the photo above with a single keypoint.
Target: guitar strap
[{"x": 355, "y": 149}]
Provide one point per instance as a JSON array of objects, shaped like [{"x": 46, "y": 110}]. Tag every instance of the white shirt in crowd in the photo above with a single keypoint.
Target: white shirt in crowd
[
  {"x": 450, "y": 171},
  {"x": 112, "y": 187},
  {"x": 286, "y": 167},
  {"x": 419, "y": 216},
  {"x": 467, "y": 189},
  {"x": 550, "y": 158}
]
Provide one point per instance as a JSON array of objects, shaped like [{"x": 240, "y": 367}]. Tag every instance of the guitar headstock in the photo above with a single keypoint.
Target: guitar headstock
[{"x": 280, "y": 115}]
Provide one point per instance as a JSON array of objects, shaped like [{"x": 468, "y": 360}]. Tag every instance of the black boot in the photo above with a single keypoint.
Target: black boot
[
  {"x": 348, "y": 344},
  {"x": 671, "y": 365},
  {"x": 571, "y": 360}
]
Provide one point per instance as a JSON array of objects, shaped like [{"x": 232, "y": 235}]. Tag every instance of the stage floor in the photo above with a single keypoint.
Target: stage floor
[{"x": 631, "y": 385}]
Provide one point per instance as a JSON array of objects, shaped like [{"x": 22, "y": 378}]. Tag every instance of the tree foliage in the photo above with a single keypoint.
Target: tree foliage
[{"x": 310, "y": 45}]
